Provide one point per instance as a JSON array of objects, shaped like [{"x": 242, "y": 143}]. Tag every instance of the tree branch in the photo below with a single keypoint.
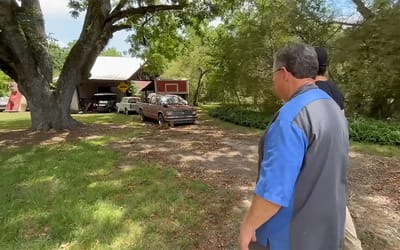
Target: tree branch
[
  {"x": 148, "y": 19},
  {"x": 344, "y": 23},
  {"x": 14, "y": 53},
  {"x": 142, "y": 10},
  {"x": 119, "y": 6},
  {"x": 364, "y": 11},
  {"x": 32, "y": 23},
  {"x": 96, "y": 32},
  {"x": 119, "y": 27}
]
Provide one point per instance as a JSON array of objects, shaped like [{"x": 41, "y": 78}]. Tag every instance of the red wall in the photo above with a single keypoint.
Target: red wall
[{"x": 179, "y": 86}]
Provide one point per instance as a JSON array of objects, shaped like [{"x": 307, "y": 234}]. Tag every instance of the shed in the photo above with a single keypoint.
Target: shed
[{"x": 106, "y": 76}]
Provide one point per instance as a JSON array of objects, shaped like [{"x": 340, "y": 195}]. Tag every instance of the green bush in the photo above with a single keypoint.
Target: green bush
[
  {"x": 243, "y": 116},
  {"x": 374, "y": 131},
  {"x": 360, "y": 129}
]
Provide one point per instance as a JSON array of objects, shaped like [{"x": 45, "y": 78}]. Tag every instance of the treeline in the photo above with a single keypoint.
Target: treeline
[{"x": 230, "y": 62}]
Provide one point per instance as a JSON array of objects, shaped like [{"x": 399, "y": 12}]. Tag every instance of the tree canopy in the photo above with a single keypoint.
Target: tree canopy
[{"x": 363, "y": 61}]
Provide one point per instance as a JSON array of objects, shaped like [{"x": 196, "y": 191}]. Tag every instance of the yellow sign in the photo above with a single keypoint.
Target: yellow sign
[{"x": 123, "y": 87}]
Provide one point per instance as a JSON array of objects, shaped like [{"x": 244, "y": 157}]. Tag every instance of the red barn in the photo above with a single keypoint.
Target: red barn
[
  {"x": 171, "y": 87},
  {"x": 163, "y": 86}
]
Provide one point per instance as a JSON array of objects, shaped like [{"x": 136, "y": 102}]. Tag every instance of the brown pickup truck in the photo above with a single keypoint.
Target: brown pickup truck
[{"x": 167, "y": 109}]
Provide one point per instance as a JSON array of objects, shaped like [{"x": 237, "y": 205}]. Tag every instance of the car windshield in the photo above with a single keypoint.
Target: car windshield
[
  {"x": 171, "y": 100},
  {"x": 133, "y": 100}
]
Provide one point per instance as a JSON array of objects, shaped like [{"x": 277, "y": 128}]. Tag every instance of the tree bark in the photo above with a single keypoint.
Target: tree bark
[
  {"x": 198, "y": 87},
  {"x": 363, "y": 10},
  {"x": 49, "y": 111},
  {"x": 236, "y": 93}
]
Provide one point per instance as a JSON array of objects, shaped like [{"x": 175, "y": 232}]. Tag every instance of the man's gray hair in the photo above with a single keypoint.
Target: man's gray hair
[{"x": 299, "y": 59}]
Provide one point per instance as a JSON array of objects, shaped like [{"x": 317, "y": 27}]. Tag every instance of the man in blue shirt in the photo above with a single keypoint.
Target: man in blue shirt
[{"x": 300, "y": 199}]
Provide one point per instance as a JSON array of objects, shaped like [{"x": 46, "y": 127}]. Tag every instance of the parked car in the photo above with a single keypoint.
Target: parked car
[
  {"x": 168, "y": 109},
  {"x": 104, "y": 102},
  {"x": 3, "y": 103},
  {"x": 128, "y": 104}
]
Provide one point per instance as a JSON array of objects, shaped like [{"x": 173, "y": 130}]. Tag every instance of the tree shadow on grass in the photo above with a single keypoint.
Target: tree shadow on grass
[{"x": 72, "y": 195}]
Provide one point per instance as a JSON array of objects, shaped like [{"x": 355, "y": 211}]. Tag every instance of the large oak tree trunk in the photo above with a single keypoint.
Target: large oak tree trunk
[{"x": 49, "y": 110}]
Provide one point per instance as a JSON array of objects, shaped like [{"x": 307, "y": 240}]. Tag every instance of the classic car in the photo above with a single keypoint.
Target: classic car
[
  {"x": 128, "y": 104},
  {"x": 168, "y": 109}
]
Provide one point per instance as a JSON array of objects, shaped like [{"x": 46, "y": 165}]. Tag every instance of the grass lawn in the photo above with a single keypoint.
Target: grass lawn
[
  {"x": 70, "y": 195},
  {"x": 14, "y": 121},
  {"x": 374, "y": 149}
]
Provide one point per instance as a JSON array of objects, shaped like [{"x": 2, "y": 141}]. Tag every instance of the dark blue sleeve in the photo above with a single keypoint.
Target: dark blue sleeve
[{"x": 284, "y": 149}]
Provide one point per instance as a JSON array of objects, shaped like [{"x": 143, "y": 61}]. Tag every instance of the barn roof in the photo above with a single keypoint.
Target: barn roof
[
  {"x": 114, "y": 68},
  {"x": 141, "y": 84}
]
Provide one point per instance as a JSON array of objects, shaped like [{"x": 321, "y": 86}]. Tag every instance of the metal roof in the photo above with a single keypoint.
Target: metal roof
[
  {"x": 141, "y": 84},
  {"x": 114, "y": 68}
]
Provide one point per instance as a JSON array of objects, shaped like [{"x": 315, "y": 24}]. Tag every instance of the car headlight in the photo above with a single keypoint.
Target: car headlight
[
  {"x": 170, "y": 113},
  {"x": 194, "y": 112}
]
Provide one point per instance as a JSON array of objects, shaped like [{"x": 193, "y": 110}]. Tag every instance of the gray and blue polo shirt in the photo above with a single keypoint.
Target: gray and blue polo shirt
[{"x": 303, "y": 162}]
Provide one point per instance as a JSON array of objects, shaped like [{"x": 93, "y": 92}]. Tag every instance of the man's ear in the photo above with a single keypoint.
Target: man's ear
[{"x": 286, "y": 74}]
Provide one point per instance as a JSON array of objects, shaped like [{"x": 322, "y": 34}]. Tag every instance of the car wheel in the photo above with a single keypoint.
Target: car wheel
[
  {"x": 161, "y": 120},
  {"x": 142, "y": 117}
]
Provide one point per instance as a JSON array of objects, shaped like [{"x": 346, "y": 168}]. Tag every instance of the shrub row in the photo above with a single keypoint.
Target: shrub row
[
  {"x": 360, "y": 129},
  {"x": 241, "y": 116},
  {"x": 374, "y": 131}
]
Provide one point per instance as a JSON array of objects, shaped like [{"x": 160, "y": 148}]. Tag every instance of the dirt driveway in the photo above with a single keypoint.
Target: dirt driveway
[{"x": 228, "y": 158}]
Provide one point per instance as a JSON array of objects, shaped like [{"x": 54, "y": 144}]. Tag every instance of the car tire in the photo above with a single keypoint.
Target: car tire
[
  {"x": 142, "y": 117},
  {"x": 161, "y": 121}
]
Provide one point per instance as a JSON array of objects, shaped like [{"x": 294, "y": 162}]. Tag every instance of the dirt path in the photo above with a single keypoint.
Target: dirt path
[{"x": 229, "y": 159}]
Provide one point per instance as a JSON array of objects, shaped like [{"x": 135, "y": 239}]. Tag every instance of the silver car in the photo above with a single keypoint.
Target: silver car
[{"x": 3, "y": 103}]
